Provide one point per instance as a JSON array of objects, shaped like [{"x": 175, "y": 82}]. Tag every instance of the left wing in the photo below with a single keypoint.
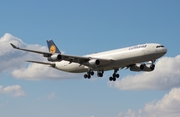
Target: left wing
[
  {"x": 54, "y": 57},
  {"x": 45, "y": 54}
]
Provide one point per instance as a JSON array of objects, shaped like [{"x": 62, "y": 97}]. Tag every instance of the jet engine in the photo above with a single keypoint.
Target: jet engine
[
  {"x": 149, "y": 67},
  {"x": 93, "y": 62},
  {"x": 55, "y": 57},
  {"x": 137, "y": 67},
  {"x": 143, "y": 67}
]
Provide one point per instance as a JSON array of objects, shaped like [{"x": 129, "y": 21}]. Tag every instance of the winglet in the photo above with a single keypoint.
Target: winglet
[{"x": 14, "y": 46}]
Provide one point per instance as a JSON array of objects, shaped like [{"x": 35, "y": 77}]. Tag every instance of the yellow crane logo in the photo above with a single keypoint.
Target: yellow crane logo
[{"x": 53, "y": 49}]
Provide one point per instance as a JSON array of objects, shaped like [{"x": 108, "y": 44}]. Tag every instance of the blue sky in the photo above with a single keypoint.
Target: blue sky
[{"x": 79, "y": 28}]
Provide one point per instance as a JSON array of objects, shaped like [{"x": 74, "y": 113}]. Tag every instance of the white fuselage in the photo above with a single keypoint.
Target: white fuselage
[{"x": 120, "y": 58}]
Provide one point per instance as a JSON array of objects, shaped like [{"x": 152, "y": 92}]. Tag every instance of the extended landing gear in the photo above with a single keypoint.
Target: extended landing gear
[
  {"x": 114, "y": 76},
  {"x": 89, "y": 74},
  {"x": 100, "y": 73}
]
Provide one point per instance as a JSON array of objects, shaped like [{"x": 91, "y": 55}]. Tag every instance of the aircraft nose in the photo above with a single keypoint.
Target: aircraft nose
[{"x": 164, "y": 50}]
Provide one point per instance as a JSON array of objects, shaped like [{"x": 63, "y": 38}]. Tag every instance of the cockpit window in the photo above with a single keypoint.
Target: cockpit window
[{"x": 160, "y": 46}]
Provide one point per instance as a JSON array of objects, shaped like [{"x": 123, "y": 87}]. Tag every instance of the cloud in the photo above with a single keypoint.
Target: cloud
[
  {"x": 51, "y": 96},
  {"x": 13, "y": 61},
  {"x": 11, "y": 58},
  {"x": 165, "y": 76},
  {"x": 39, "y": 72},
  {"x": 168, "y": 106},
  {"x": 14, "y": 90}
]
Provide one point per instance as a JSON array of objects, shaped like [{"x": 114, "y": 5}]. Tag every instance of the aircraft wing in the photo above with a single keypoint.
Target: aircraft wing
[
  {"x": 45, "y": 54},
  {"x": 82, "y": 60}
]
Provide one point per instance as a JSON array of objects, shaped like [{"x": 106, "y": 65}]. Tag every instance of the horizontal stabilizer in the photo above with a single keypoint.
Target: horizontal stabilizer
[{"x": 44, "y": 63}]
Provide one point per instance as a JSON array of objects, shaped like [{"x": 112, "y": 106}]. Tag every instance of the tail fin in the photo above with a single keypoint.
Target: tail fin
[{"x": 52, "y": 47}]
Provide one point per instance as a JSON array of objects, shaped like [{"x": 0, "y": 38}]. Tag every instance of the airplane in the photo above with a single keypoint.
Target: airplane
[{"x": 136, "y": 58}]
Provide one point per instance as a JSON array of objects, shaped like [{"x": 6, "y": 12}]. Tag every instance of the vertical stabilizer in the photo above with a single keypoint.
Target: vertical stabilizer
[{"x": 52, "y": 47}]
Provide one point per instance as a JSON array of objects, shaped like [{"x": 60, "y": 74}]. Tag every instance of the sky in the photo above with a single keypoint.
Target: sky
[{"x": 83, "y": 27}]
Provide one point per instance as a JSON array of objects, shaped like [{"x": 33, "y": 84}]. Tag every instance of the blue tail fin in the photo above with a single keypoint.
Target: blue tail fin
[{"x": 52, "y": 47}]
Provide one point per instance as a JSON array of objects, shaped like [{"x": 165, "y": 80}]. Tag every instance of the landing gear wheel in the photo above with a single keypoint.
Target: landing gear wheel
[
  {"x": 110, "y": 78},
  {"x": 92, "y": 73},
  {"x": 100, "y": 75},
  {"x": 85, "y": 75},
  {"x": 114, "y": 76},
  {"x": 89, "y": 76},
  {"x": 114, "y": 79},
  {"x": 117, "y": 75}
]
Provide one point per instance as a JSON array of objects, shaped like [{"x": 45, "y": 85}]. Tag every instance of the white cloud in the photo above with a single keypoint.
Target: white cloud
[
  {"x": 13, "y": 61},
  {"x": 37, "y": 72},
  {"x": 165, "y": 76},
  {"x": 14, "y": 90},
  {"x": 11, "y": 58},
  {"x": 168, "y": 106},
  {"x": 52, "y": 96}
]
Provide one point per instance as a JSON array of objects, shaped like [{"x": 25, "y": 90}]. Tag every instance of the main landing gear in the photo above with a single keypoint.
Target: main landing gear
[
  {"x": 89, "y": 74},
  {"x": 114, "y": 76},
  {"x": 100, "y": 73}
]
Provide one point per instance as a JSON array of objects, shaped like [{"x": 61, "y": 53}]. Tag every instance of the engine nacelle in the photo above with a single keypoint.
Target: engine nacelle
[
  {"x": 93, "y": 62},
  {"x": 149, "y": 67},
  {"x": 55, "y": 57},
  {"x": 143, "y": 67},
  {"x": 137, "y": 67}
]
